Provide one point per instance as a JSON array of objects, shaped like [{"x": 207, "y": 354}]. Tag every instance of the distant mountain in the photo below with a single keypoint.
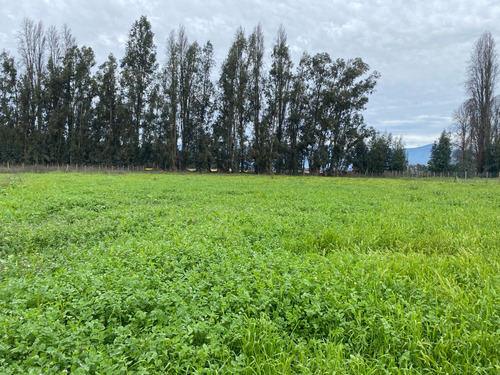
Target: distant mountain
[{"x": 419, "y": 155}]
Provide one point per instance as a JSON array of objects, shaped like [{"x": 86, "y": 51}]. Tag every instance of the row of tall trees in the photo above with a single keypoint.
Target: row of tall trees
[
  {"x": 477, "y": 120},
  {"x": 57, "y": 106}
]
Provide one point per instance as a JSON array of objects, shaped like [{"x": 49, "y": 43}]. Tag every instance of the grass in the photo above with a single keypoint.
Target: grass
[{"x": 215, "y": 274}]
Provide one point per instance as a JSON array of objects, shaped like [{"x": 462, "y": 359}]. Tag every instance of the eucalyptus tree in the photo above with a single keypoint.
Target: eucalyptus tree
[
  {"x": 138, "y": 69},
  {"x": 315, "y": 133},
  {"x": 338, "y": 92},
  {"x": 230, "y": 129},
  {"x": 55, "y": 110},
  {"x": 58, "y": 94},
  {"x": 256, "y": 83},
  {"x": 203, "y": 109},
  {"x": 108, "y": 111},
  {"x": 170, "y": 85},
  {"x": 348, "y": 92},
  {"x": 296, "y": 120},
  {"x": 280, "y": 79},
  {"x": 189, "y": 64},
  {"x": 188, "y": 95},
  {"x": 79, "y": 94}
]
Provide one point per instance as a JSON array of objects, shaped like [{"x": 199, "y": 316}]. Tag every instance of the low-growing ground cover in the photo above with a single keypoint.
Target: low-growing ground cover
[{"x": 155, "y": 273}]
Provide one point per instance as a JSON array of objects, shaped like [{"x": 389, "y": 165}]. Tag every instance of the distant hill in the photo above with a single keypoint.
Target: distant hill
[{"x": 419, "y": 155}]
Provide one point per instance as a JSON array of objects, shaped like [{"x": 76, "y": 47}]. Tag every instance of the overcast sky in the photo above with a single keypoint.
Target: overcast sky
[{"x": 421, "y": 48}]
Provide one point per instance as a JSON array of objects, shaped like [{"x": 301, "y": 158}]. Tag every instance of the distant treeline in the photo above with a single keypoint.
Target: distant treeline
[{"x": 57, "y": 107}]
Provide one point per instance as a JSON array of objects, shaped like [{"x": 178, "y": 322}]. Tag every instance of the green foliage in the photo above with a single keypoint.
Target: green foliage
[
  {"x": 440, "y": 160},
  {"x": 493, "y": 162},
  {"x": 231, "y": 125},
  {"x": 247, "y": 274},
  {"x": 10, "y": 148},
  {"x": 382, "y": 153},
  {"x": 138, "y": 70},
  {"x": 60, "y": 110}
]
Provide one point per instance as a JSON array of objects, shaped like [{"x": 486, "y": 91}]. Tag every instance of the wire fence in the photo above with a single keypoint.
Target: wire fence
[
  {"x": 83, "y": 168},
  {"x": 72, "y": 168},
  {"x": 462, "y": 175}
]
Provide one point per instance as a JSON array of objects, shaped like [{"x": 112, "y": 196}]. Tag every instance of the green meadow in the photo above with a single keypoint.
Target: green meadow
[{"x": 221, "y": 274}]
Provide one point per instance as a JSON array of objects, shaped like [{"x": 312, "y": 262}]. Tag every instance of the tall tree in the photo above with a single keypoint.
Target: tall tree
[
  {"x": 203, "y": 109},
  {"x": 347, "y": 97},
  {"x": 171, "y": 100},
  {"x": 280, "y": 78},
  {"x": 255, "y": 99},
  {"x": 273, "y": 121},
  {"x": 107, "y": 111},
  {"x": 79, "y": 92},
  {"x": 230, "y": 129},
  {"x": 32, "y": 49},
  {"x": 318, "y": 76},
  {"x": 338, "y": 92},
  {"x": 189, "y": 64},
  {"x": 295, "y": 125},
  {"x": 54, "y": 108},
  {"x": 138, "y": 69},
  {"x": 59, "y": 84},
  {"x": 482, "y": 76},
  {"x": 461, "y": 129}
]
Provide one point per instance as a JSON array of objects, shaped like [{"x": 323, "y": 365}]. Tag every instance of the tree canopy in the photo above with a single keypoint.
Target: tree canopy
[
  {"x": 57, "y": 107},
  {"x": 440, "y": 160},
  {"x": 477, "y": 120}
]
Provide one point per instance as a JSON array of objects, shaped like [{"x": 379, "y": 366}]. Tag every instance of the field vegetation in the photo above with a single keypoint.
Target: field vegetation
[{"x": 214, "y": 274}]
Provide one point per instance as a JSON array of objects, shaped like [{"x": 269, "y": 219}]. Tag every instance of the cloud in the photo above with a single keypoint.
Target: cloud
[
  {"x": 416, "y": 130},
  {"x": 420, "y": 119}
]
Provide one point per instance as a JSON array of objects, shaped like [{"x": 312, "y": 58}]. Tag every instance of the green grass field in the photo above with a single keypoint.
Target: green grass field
[{"x": 158, "y": 273}]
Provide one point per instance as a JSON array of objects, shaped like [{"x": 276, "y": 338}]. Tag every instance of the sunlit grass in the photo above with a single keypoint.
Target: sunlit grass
[{"x": 154, "y": 273}]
